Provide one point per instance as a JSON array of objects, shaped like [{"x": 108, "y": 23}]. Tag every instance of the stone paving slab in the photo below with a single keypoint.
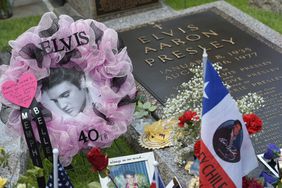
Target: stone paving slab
[
  {"x": 167, "y": 167},
  {"x": 34, "y": 8},
  {"x": 5, "y": 58},
  {"x": 13, "y": 144}
]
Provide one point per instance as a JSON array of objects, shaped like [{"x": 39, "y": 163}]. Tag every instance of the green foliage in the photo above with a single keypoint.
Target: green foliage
[
  {"x": 47, "y": 167},
  {"x": 81, "y": 174},
  {"x": 144, "y": 109},
  {"x": 10, "y": 29},
  {"x": 29, "y": 179},
  {"x": 279, "y": 185},
  {"x": 4, "y": 158},
  {"x": 94, "y": 184},
  {"x": 119, "y": 148}
]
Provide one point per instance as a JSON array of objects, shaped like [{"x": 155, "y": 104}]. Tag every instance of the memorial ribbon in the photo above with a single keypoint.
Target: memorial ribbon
[
  {"x": 31, "y": 143},
  {"x": 26, "y": 118},
  {"x": 42, "y": 130}
]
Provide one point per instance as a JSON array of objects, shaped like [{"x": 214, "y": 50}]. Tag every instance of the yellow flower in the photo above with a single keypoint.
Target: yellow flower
[
  {"x": 188, "y": 165},
  {"x": 3, "y": 182},
  {"x": 194, "y": 182}
]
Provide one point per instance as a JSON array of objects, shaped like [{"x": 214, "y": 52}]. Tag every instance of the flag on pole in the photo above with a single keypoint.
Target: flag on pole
[
  {"x": 154, "y": 182},
  {"x": 59, "y": 177},
  {"x": 226, "y": 153},
  {"x": 63, "y": 179},
  {"x": 157, "y": 181}
]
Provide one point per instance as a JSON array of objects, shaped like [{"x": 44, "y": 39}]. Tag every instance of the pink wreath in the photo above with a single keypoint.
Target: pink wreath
[{"x": 91, "y": 48}]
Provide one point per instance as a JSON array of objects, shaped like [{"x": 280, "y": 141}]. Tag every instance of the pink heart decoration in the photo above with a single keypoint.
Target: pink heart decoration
[{"x": 22, "y": 92}]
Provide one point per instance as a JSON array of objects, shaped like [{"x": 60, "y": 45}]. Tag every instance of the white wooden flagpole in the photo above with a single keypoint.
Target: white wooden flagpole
[
  {"x": 156, "y": 164},
  {"x": 55, "y": 166},
  {"x": 205, "y": 59}
]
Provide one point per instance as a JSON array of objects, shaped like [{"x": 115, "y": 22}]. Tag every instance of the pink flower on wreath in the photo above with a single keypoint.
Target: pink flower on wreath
[{"x": 187, "y": 117}]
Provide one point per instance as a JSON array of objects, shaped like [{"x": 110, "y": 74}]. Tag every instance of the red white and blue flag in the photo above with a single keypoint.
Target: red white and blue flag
[
  {"x": 226, "y": 153},
  {"x": 63, "y": 179},
  {"x": 157, "y": 182}
]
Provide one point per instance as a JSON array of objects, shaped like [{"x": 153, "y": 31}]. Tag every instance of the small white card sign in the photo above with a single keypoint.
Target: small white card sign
[{"x": 132, "y": 170}]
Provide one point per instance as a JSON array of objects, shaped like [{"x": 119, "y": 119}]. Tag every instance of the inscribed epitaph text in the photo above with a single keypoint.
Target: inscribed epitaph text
[{"x": 163, "y": 52}]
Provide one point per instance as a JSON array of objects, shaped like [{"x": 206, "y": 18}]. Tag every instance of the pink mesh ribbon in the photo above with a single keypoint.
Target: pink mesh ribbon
[{"x": 92, "y": 48}]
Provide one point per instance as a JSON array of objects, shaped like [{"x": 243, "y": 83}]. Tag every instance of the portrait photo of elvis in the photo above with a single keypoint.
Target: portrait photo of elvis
[
  {"x": 130, "y": 179},
  {"x": 227, "y": 141},
  {"x": 64, "y": 92},
  {"x": 129, "y": 175}
]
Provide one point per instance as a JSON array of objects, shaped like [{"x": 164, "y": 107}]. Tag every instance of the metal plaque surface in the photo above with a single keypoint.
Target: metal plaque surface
[{"x": 163, "y": 52}]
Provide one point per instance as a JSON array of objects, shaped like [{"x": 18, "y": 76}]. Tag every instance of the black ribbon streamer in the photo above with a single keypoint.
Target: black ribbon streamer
[
  {"x": 117, "y": 82},
  {"x": 31, "y": 143},
  {"x": 101, "y": 115},
  {"x": 30, "y": 51},
  {"x": 51, "y": 30},
  {"x": 42, "y": 130},
  {"x": 127, "y": 100},
  {"x": 71, "y": 54},
  {"x": 26, "y": 119},
  {"x": 98, "y": 32}
]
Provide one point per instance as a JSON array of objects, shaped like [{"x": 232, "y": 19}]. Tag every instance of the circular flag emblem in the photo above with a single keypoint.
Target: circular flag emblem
[{"x": 227, "y": 140}]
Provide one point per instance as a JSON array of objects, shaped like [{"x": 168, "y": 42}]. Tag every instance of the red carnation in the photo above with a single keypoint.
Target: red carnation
[
  {"x": 189, "y": 115},
  {"x": 253, "y": 123},
  {"x": 251, "y": 183},
  {"x": 182, "y": 120},
  {"x": 186, "y": 117},
  {"x": 245, "y": 182},
  {"x": 98, "y": 160},
  {"x": 180, "y": 124},
  {"x": 197, "y": 148}
]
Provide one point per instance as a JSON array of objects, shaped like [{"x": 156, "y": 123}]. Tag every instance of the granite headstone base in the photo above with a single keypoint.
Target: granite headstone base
[
  {"x": 262, "y": 32},
  {"x": 14, "y": 145},
  {"x": 17, "y": 150},
  {"x": 165, "y": 157}
]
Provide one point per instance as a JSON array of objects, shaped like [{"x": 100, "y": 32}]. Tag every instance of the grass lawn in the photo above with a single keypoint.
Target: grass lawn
[
  {"x": 10, "y": 29},
  {"x": 181, "y": 4},
  {"x": 273, "y": 20},
  {"x": 82, "y": 174}
]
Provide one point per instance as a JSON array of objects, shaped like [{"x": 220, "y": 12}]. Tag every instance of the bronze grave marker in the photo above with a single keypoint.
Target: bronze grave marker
[{"x": 163, "y": 52}]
